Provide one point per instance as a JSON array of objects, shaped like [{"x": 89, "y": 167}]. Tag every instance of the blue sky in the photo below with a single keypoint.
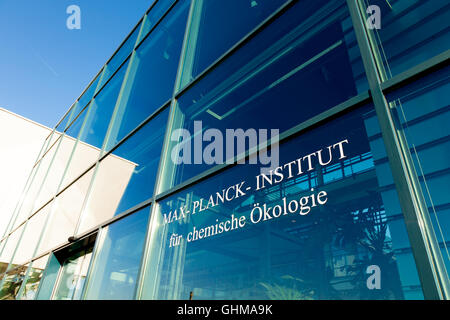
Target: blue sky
[{"x": 44, "y": 66}]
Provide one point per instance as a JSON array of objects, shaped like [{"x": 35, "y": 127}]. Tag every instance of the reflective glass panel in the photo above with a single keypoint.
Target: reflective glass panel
[
  {"x": 209, "y": 39},
  {"x": 154, "y": 15},
  {"x": 52, "y": 181},
  {"x": 9, "y": 248},
  {"x": 408, "y": 32},
  {"x": 303, "y": 64},
  {"x": 48, "y": 279},
  {"x": 317, "y": 226},
  {"x": 33, "y": 278},
  {"x": 116, "y": 265},
  {"x": 35, "y": 188},
  {"x": 101, "y": 110},
  {"x": 72, "y": 275},
  {"x": 31, "y": 235},
  {"x": 3, "y": 264},
  {"x": 75, "y": 127},
  {"x": 12, "y": 282},
  {"x": 120, "y": 55},
  {"x": 65, "y": 213},
  {"x": 85, "y": 98},
  {"x": 66, "y": 120},
  {"x": 423, "y": 111},
  {"x": 82, "y": 156},
  {"x": 127, "y": 176},
  {"x": 152, "y": 73}
]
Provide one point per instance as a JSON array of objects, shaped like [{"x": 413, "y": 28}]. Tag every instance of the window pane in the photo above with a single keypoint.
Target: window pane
[
  {"x": 154, "y": 15},
  {"x": 120, "y": 55},
  {"x": 127, "y": 176},
  {"x": 48, "y": 279},
  {"x": 65, "y": 213},
  {"x": 152, "y": 73},
  {"x": 85, "y": 98},
  {"x": 209, "y": 39},
  {"x": 31, "y": 236},
  {"x": 34, "y": 278},
  {"x": 101, "y": 110},
  {"x": 309, "y": 229},
  {"x": 116, "y": 264},
  {"x": 9, "y": 248},
  {"x": 12, "y": 282},
  {"x": 82, "y": 155},
  {"x": 3, "y": 264},
  {"x": 75, "y": 127},
  {"x": 63, "y": 151},
  {"x": 412, "y": 31},
  {"x": 66, "y": 120},
  {"x": 303, "y": 64},
  {"x": 35, "y": 189},
  {"x": 423, "y": 110},
  {"x": 73, "y": 275}
]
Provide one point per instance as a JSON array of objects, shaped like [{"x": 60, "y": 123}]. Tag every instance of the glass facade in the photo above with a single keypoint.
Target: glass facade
[{"x": 337, "y": 189}]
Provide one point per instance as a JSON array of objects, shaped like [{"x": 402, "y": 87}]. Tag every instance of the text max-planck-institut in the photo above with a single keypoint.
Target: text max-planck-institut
[{"x": 353, "y": 204}]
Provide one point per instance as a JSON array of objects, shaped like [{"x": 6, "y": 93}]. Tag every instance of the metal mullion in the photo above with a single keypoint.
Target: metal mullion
[
  {"x": 146, "y": 253},
  {"x": 142, "y": 263},
  {"x": 409, "y": 190}
]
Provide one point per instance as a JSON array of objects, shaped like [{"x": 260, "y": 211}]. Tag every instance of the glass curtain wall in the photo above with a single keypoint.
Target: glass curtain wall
[{"x": 316, "y": 223}]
